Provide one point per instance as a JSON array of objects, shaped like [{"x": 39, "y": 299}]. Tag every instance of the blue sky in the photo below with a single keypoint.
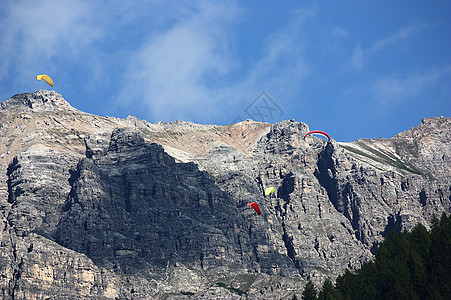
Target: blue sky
[{"x": 355, "y": 69}]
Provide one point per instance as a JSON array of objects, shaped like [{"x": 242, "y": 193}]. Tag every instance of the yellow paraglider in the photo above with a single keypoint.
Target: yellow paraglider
[{"x": 46, "y": 78}]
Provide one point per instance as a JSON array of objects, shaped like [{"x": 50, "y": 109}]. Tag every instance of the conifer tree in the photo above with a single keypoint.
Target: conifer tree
[
  {"x": 328, "y": 291},
  {"x": 407, "y": 265},
  {"x": 310, "y": 292}
]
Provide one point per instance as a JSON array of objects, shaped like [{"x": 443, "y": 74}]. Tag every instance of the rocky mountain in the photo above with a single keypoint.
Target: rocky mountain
[{"x": 105, "y": 208}]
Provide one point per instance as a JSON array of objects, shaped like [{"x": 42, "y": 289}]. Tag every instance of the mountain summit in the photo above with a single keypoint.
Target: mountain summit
[
  {"x": 39, "y": 101},
  {"x": 106, "y": 208}
]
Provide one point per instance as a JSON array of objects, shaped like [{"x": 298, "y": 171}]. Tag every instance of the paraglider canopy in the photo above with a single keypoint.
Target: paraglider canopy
[
  {"x": 46, "y": 78},
  {"x": 269, "y": 191},
  {"x": 318, "y": 131},
  {"x": 255, "y": 207}
]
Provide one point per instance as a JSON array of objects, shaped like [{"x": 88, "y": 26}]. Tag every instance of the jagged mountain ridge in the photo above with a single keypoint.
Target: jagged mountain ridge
[{"x": 165, "y": 203}]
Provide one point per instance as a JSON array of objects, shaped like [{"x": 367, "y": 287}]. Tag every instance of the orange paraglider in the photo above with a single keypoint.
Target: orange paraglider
[{"x": 255, "y": 207}]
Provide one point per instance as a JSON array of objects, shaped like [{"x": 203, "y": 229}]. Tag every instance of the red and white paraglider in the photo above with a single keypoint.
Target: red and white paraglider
[{"x": 317, "y": 132}]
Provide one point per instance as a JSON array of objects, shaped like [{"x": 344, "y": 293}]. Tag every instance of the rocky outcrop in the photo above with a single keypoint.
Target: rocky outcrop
[
  {"x": 107, "y": 208},
  {"x": 299, "y": 221},
  {"x": 38, "y": 185},
  {"x": 390, "y": 184},
  {"x": 131, "y": 203}
]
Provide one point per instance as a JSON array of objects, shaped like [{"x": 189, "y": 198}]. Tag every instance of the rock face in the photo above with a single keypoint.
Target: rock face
[
  {"x": 131, "y": 204},
  {"x": 105, "y": 208}
]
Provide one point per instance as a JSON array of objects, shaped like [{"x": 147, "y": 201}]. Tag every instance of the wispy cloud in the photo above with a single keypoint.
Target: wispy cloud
[
  {"x": 36, "y": 32},
  {"x": 338, "y": 32},
  {"x": 394, "y": 89},
  {"x": 398, "y": 88},
  {"x": 282, "y": 62},
  {"x": 186, "y": 70},
  {"x": 358, "y": 57},
  {"x": 169, "y": 74},
  {"x": 361, "y": 56},
  {"x": 401, "y": 34},
  {"x": 180, "y": 54}
]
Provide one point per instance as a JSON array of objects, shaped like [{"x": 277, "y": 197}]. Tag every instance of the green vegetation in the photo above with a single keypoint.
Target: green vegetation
[
  {"x": 187, "y": 293},
  {"x": 310, "y": 292},
  {"x": 408, "y": 265},
  {"x": 407, "y": 148},
  {"x": 232, "y": 289},
  {"x": 383, "y": 157},
  {"x": 245, "y": 280}
]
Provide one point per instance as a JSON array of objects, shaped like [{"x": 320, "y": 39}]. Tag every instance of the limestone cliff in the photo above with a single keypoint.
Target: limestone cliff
[{"x": 107, "y": 208}]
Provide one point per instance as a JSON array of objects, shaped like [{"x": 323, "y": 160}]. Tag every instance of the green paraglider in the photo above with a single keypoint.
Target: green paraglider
[{"x": 269, "y": 191}]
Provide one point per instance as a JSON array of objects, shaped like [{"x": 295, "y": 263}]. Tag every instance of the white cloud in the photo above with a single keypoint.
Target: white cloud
[
  {"x": 178, "y": 63},
  {"x": 388, "y": 92},
  {"x": 184, "y": 72},
  {"x": 401, "y": 34},
  {"x": 361, "y": 56},
  {"x": 394, "y": 89},
  {"x": 282, "y": 58},
  {"x": 358, "y": 58},
  {"x": 338, "y": 32},
  {"x": 170, "y": 72},
  {"x": 34, "y": 33}
]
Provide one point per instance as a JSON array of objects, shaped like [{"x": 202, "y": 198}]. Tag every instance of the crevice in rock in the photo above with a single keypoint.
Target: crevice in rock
[
  {"x": 394, "y": 224},
  {"x": 9, "y": 173},
  {"x": 288, "y": 241},
  {"x": 74, "y": 176},
  {"x": 127, "y": 193},
  {"x": 423, "y": 197},
  {"x": 325, "y": 173},
  {"x": 259, "y": 183},
  {"x": 285, "y": 190}
]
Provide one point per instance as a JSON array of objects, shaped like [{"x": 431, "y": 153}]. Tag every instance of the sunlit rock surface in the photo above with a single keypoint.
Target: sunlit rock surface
[{"x": 105, "y": 208}]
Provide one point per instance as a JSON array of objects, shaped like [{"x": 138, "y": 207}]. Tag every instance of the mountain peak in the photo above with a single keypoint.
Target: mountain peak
[
  {"x": 124, "y": 203},
  {"x": 40, "y": 100}
]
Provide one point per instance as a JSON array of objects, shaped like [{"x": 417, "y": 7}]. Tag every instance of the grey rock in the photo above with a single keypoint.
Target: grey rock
[
  {"x": 39, "y": 101},
  {"x": 135, "y": 205},
  {"x": 104, "y": 208},
  {"x": 38, "y": 185}
]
